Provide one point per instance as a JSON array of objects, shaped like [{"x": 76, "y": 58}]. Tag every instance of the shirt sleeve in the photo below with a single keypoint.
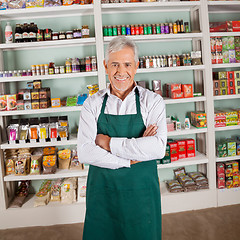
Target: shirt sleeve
[
  {"x": 145, "y": 148},
  {"x": 88, "y": 151}
]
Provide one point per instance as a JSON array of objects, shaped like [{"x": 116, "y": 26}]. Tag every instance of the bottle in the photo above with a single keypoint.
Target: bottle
[
  {"x": 32, "y": 33},
  {"x": 25, "y": 32},
  {"x": 8, "y": 33},
  {"x": 187, "y": 123},
  {"x": 178, "y": 60},
  {"x": 18, "y": 34},
  {"x": 178, "y": 125}
]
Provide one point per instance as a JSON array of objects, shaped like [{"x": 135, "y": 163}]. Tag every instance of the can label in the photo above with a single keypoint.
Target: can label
[
  {"x": 105, "y": 31},
  {"x": 123, "y": 30},
  {"x": 137, "y": 30},
  {"x": 149, "y": 29},
  {"x": 128, "y": 30},
  {"x": 141, "y": 30},
  {"x": 114, "y": 31},
  {"x": 110, "y": 32},
  {"x": 158, "y": 29},
  {"x": 133, "y": 30},
  {"x": 163, "y": 29}
]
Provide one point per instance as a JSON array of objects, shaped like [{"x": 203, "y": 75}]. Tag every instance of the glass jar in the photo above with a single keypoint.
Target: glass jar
[
  {"x": 77, "y": 33},
  {"x": 62, "y": 69},
  {"x": 69, "y": 35},
  {"x": 75, "y": 65},
  {"x": 68, "y": 65},
  {"x": 55, "y": 36},
  {"x": 85, "y": 31},
  {"x": 62, "y": 35},
  {"x": 57, "y": 70}
]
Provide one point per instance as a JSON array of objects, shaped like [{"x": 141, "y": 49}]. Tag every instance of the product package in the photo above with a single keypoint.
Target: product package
[
  {"x": 43, "y": 194},
  {"x": 56, "y": 190},
  {"x": 75, "y": 164},
  {"x": 174, "y": 186},
  {"x": 11, "y": 102},
  {"x": 68, "y": 191},
  {"x": 3, "y": 103},
  {"x": 92, "y": 89},
  {"x": 49, "y": 164},
  {"x": 22, "y": 164},
  {"x": 10, "y": 165},
  {"x": 53, "y": 128},
  {"x": 16, "y": 4},
  {"x": 3, "y": 5},
  {"x": 64, "y": 157},
  {"x": 13, "y": 131},
  {"x": 52, "y": 3},
  {"x": 23, "y": 130},
  {"x": 63, "y": 127},
  {"x": 33, "y": 129},
  {"x": 43, "y": 129},
  {"x": 36, "y": 162}
]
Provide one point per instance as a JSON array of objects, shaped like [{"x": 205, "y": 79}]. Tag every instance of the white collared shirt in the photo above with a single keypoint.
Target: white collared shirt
[{"x": 122, "y": 149}]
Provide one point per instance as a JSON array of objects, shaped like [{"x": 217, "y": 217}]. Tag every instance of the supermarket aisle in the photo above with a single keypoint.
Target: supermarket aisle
[{"x": 209, "y": 224}]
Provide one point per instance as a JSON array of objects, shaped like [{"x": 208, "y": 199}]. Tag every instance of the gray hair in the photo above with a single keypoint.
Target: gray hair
[{"x": 118, "y": 43}]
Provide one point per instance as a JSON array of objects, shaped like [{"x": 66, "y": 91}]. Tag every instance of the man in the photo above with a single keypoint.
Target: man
[{"x": 123, "y": 197}]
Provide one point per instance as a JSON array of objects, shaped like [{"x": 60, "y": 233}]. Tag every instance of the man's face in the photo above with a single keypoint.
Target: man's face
[{"x": 121, "y": 69}]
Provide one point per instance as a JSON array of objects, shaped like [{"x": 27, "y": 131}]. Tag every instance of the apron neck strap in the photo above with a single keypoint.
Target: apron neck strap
[{"x": 137, "y": 102}]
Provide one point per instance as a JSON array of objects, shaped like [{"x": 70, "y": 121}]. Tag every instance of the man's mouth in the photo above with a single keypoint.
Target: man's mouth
[{"x": 121, "y": 78}]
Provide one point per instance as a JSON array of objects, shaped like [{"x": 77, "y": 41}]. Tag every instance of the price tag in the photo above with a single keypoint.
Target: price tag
[
  {"x": 222, "y": 190},
  {"x": 63, "y": 139},
  {"x": 22, "y": 141},
  {"x": 43, "y": 140},
  {"x": 12, "y": 142},
  {"x": 53, "y": 139},
  {"x": 33, "y": 140}
]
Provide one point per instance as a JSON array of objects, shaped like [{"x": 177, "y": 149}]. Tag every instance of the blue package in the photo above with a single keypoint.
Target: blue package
[
  {"x": 3, "y": 5},
  {"x": 16, "y": 4},
  {"x": 81, "y": 98}
]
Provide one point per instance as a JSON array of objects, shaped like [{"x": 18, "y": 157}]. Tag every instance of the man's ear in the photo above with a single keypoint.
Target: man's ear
[{"x": 105, "y": 65}]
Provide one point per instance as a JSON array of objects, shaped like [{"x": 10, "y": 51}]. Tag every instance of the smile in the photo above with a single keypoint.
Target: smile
[{"x": 120, "y": 79}]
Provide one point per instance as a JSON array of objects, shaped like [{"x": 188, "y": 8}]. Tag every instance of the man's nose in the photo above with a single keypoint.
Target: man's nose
[{"x": 121, "y": 69}]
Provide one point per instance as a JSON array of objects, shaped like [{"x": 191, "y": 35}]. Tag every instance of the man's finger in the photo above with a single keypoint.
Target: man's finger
[
  {"x": 148, "y": 129},
  {"x": 151, "y": 131}
]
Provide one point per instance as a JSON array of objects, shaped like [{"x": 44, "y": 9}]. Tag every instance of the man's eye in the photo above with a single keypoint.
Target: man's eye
[
  {"x": 128, "y": 64},
  {"x": 114, "y": 65}
]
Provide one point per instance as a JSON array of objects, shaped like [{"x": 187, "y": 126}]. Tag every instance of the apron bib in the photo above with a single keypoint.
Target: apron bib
[{"x": 123, "y": 204}]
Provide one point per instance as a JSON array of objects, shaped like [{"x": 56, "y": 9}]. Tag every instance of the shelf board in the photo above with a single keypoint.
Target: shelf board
[
  {"x": 157, "y": 37},
  {"x": 223, "y": 6},
  {"x": 171, "y": 69},
  {"x": 224, "y": 34},
  {"x": 47, "y": 12},
  {"x": 52, "y": 76},
  {"x": 41, "y": 111},
  {"x": 225, "y": 159},
  {"x": 184, "y": 100},
  {"x": 199, "y": 159},
  {"x": 226, "y": 97},
  {"x": 71, "y": 141},
  {"x": 148, "y": 6},
  {"x": 60, "y": 173},
  {"x": 48, "y": 44},
  {"x": 228, "y": 128},
  {"x": 228, "y": 196},
  {"x": 226, "y": 65},
  {"x": 193, "y": 130}
]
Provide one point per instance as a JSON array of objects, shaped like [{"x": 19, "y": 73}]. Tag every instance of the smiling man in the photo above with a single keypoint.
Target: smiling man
[{"x": 122, "y": 131}]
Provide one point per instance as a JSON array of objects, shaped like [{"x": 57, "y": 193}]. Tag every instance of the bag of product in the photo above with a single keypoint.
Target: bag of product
[
  {"x": 64, "y": 157},
  {"x": 16, "y": 4},
  {"x": 10, "y": 165},
  {"x": 22, "y": 164},
  {"x": 75, "y": 164},
  {"x": 49, "y": 164},
  {"x": 21, "y": 194},
  {"x": 43, "y": 195},
  {"x": 35, "y": 166},
  {"x": 56, "y": 190},
  {"x": 51, "y": 3},
  {"x": 49, "y": 151},
  {"x": 67, "y": 2},
  {"x": 68, "y": 190}
]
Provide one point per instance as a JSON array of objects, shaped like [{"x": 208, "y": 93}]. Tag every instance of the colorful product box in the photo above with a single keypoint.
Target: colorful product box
[
  {"x": 3, "y": 102},
  {"x": 221, "y": 146},
  {"x": 199, "y": 119},
  {"x": 236, "y": 181},
  {"x": 223, "y": 83},
  {"x": 235, "y": 167},
  {"x": 229, "y": 182},
  {"x": 222, "y": 75},
  {"x": 223, "y": 91},
  {"x": 231, "y": 83},
  {"x": 231, "y": 153},
  {"x": 237, "y": 90},
  {"x": 221, "y": 182},
  {"x": 225, "y": 43},
  {"x": 231, "y": 144},
  {"x": 236, "y": 26},
  {"x": 238, "y": 148},
  {"x": 176, "y": 95},
  {"x": 166, "y": 158},
  {"x": 237, "y": 42},
  {"x": 237, "y": 74},
  {"x": 220, "y": 169},
  {"x": 222, "y": 153},
  {"x": 216, "y": 84},
  {"x": 228, "y": 169},
  {"x": 187, "y": 90},
  {"x": 173, "y": 151},
  {"x": 216, "y": 91},
  {"x": 182, "y": 152},
  {"x": 232, "y": 56},
  {"x": 231, "y": 91},
  {"x": 190, "y": 148},
  {"x": 231, "y": 44},
  {"x": 11, "y": 102},
  {"x": 225, "y": 55}
]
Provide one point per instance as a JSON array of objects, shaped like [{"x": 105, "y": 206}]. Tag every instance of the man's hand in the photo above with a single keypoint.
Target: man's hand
[
  {"x": 103, "y": 141},
  {"x": 151, "y": 130}
]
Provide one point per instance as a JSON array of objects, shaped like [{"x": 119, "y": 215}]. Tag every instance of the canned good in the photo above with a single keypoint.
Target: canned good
[
  {"x": 175, "y": 30},
  {"x": 105, "y": 31},
  {"x": 128, "y": 30},
  {"x": 141, "y": 30},
  {"x": 46, "y": 69},
  {"x": 170, "y": 28},
  {"x": 114, "y": 30},
  {"x": 154, "y": 30},
  {"x": 110, "y": 31},
  {"x": 186, "y": 27},
  {"x": 158, "y": 29},
  {"x": 123, "y": 30},
  {"x": 137, "y": 30},
  {"x": 162, "y": 28},
  {"x": 119, "y": 30},
  {"x": 62, "y": 69},
  {"x": 166, "y": 28},
  {"x": 132, "y": 30},
  {"x": 57, "y": 70},
  {"x": 145, "y": 29},
  {"x": 149, "y": 29}
]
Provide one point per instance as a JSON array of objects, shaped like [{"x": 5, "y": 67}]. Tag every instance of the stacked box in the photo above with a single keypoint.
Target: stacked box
[
  {"x": 231, "y": 117},
  {"x": 216, "y": 87},
  {"x": 190, "y": 148},
  {"x": 230, "y": 82},
  {"x": 237, "y": 81},
  {"x": 221, "y": 175},
  {"x": 187, "y": 90},
  {"x": 174, "y": 90},
  {"x": 173, "y": 151},
  {"x": 182, "y": 152},
  {"x": 166, "y": 158},
  {"x": 199, "y": 119},
  {"x": 221, "y": 148},
  {"x": 220, "y": 118},
  {"x": 231, "y": 147}
]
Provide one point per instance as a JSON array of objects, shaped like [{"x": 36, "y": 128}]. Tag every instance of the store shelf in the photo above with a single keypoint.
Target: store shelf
[
  {"x": 72, "y": 141},
  {"x": 226, "y": 97},
  {"x": 60, "y": 173},
  {"x": 228, "y": 128},
  {"x": 223, "y": 6},
  {"x": 199, "y": 159},
  {"x": 226, "y": 65},
  {"x": 157, "y": 37},
  {"x": 186, "y": 201},
  {"x": 48, "y": 44},
  {"x": 193, "y": 130},
  {"x": 46, "y": 12},
  {"x": 228, "y": 196},
  {"x": 224, "y": 34},
  {"x": 40, "y": 111},
  {"x": 184, "y": 100},
  {"x": 143, "y": 6},
  {"x": 171, "y": 69},
  {"x": 225, "y": 159},
  {"x": 44, "y": 77}
]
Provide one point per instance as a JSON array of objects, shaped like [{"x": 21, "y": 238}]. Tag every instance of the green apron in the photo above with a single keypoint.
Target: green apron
[{"x": 123, "y": 204}]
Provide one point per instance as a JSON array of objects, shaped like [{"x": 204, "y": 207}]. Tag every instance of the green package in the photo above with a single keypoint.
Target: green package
[{"x": 72, "y": 101}]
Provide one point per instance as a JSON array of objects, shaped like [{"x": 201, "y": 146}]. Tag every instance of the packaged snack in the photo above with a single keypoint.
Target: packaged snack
[
  {"x": 81, "y": 98},
  {"x": 181, "y": 149},
  {"x": 3, "y": 5},
  {"x": 13, "y": 131},
  {"x": 43, "y": 195},
  {"x": 179, "y": 171},
  {"x": 3, "y": 102},
  {"x": 236, "y": 181},
  {"x": 82, "y": 186},
  {"x": 11, "y": 102},
  {"x": 187, "y": 183},
  {"x": 190, "y": 146},
  {"x": 35, "y": 94},
  {"x": 75, "y": 164},
  {"x": 92, "y": 89},
  {"x": 174, "y": 186},
  {"x": 37, "y": 84},
  {"x": 232, "y": 56},
  {"x": 33, "y": 129},
  {"x": 51, "y": 3},
  {"x": 49, "y": 164},
  {"x": 221, "y": 182},
  {"x": 10, "y": 165},
  {"x": 67, "y": 2},
  {"x": 72, "y": 101},
  {"x": 53, "y": 127},
  {"x": 56, "y": 102},
  {"x": 56, "y": 190},
  {"x": 49, "y": 151},
  {"x": 229, "y": 182},
  {"x": 173, "y": 151},
  {"x": 68, "y": 191},
  {"x": 187, "y": 90},
  {"x": 22, "y": 164},
  {"x": 16, "y": 4},
  {"x": 21, "y": 194},
  {"x": 44, "y": 129},
  {"x": 63, "y": 127},
  {"x": 199, "y": 179},
  {"x": 64, "y": 157},
  {"x": 199, "y": 119},
  {"x": 36, "y": 161},
  {"x": 23, "y": 130}
]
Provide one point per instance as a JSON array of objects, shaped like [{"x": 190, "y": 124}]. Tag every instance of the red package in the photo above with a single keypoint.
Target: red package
[
  {"x": 213, "y": 56},
  {"x": 236, "y": 26},
  {"x": 187, "y": 90},
  {"x": 176, "y": 95},
  {"x": 190, "y": 146},
  {"x": 173, "y": 151},
  {"x": 231, "y": 91},
  {"x": 213, "y": 44},
  {"x": 231, "y": 83},
  {"x": 221, "y": 169},
  {"x": 236, "y": 182},
  {"x": 230, "y": 75},
  {"x": 182, "y": 152},
  {"x": 218, "y": 26},
  {"x": 221, "y": 182}
]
